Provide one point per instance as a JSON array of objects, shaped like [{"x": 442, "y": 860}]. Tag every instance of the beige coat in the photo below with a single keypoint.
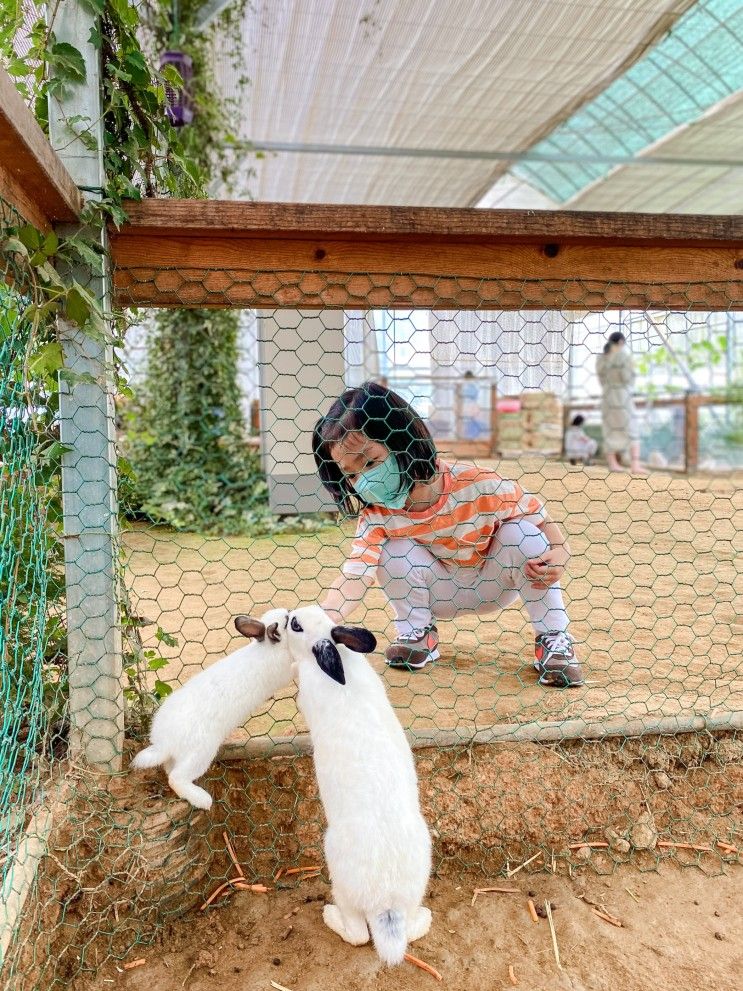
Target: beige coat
[{"x": 618, "y": 417}]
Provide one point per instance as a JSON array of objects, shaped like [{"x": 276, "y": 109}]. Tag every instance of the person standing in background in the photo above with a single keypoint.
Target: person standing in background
[{"x": 616, "y": 373}]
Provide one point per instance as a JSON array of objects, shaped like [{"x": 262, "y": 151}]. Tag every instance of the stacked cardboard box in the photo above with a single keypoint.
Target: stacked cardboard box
[
  {"x": 541, "y": 422},
  {"x": 510, "y": 431}
]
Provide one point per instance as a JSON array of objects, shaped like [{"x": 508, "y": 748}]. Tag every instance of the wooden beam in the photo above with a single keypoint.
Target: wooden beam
[
  {"x": 209, "y": 218},
  {"x": 216, "y": 254},
  {"x": 691, "y": 431},
  {"x": 218, "y": 272},
  {"x": 32, "y": 177}
]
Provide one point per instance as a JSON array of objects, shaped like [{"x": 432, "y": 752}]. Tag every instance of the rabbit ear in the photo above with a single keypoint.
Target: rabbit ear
[
  {"x": 272, "y": 632},
  {"x": 355, "y": 638},
  {"x": 329, "y": 660},
  {"x": 250, "y": 627}
]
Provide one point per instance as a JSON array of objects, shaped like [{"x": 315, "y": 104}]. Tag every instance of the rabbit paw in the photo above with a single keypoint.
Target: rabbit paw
[
  {"x": 419, "y": 923},
  {"x": 352, "y": 930}
]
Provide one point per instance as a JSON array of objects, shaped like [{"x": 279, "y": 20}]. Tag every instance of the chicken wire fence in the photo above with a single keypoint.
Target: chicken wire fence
[{"x": 223, "y": 513}]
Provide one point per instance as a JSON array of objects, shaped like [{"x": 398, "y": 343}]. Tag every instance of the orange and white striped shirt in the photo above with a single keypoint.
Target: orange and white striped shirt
[{"x": 458, "y": 529}]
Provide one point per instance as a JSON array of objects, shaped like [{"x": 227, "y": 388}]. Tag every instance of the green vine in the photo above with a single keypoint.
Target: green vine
[{"x": 143, "y": 155}]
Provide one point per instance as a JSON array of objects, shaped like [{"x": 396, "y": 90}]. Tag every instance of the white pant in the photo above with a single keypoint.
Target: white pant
[{"x": 422, "y": 589}]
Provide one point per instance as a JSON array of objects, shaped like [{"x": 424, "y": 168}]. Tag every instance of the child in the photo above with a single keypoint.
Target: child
[
  {"x": 578, "y": 445},
  {"x": 441, "y": 539}
]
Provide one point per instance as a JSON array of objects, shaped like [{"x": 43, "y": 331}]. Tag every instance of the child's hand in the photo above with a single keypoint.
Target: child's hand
[{"x": 547, "y": 569}]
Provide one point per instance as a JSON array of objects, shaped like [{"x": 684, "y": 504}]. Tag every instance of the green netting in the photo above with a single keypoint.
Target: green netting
[
  {"x": 100, "y": 866},
  {"x": 26, "y": 586},
  {"x": 23, "y": 579}
]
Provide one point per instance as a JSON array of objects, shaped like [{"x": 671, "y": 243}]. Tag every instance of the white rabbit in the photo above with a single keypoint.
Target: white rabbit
[
  {"x": 192, "y": 723},
  {"x": 377, "y": 847}
]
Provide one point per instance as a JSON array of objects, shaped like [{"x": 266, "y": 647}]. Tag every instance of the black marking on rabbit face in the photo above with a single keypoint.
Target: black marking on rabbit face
[
  {"x": 329, "y": 660},
  {"x": 355, "y": 638}
]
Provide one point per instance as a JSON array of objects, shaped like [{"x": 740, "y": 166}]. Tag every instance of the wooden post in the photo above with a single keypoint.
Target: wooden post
[
  {"x": 494, "y": 421},
  {"x": 566, "y": 417},
  {"x": 691, "y": 431},
  {"x": 87, "y": 429}
]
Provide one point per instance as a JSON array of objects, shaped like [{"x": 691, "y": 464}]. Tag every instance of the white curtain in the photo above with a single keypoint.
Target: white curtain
[
  {"x": 516, "y": 350},
  {"x": 360, "y": 347}
]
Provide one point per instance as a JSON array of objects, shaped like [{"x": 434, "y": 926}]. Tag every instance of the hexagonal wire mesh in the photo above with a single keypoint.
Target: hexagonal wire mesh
[{"x": 646, "y": 748}]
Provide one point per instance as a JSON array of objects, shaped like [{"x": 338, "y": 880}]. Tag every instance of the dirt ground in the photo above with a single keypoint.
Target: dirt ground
[
  {"x": 680, "y": 930},
  {"x": 129, "y": 865},
  {"x": 655, "y": 593}
]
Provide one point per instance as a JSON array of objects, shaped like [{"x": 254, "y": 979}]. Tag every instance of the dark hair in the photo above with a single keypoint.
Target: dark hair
[
  {"x": 578, "y": 420},
  {"x": 381, "y": 415},
  {"x": 616, "y": 337}
]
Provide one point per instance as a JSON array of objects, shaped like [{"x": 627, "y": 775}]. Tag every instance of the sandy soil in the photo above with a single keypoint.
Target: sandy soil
[
  {"x": 655, "y": 594},
  {"x": 680, "y": 929}
]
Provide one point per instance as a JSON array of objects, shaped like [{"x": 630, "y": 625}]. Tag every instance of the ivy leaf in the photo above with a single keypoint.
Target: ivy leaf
[
  {"x": 162, "y": 689},
  {"x": 77, "y": 308},
  {"x": 137, "y": 68},
  {"x": 49, "y": 274},
  {"x": 171, "y": 75},
  {"x": 166, "y": 638},
  {"x": 30, "y": 237},
  {"x": 48, "y": 359},
  {"x": 95, "y": 38},
  {"x": 67, "y": 61},
  {"x": 157, "y": 663},
  {"x": 94, "y": 6},
  {"x": 41, "y": 109},
  {"x": 85, "y": 251},
  {"x": 127, "y": 14},
  {"x": 17, "y": 67},
  {"x": 50, "y": 245},
  {"x": 88, "y": 139}
]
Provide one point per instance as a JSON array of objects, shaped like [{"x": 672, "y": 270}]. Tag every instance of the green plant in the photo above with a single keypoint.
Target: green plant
[
  {"x": 33, "y": 668},
  {"x": 185, "y": 435},
  {"x": 143, "y": 155},
  {"x": 725, "y": 428},
  {"x": 142, "y": 691},
  {"x": 699, "y": 355}
]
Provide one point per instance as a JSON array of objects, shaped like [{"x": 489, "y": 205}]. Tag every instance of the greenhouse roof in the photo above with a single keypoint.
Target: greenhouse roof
[{"x": 610, "y": 104}]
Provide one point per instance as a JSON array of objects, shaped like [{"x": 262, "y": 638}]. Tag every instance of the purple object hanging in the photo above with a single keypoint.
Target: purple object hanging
[{"x": 180, "y": 106}]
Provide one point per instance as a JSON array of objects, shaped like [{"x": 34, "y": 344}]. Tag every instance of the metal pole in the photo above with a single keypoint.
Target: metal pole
[
  {"x": 538, "y": 732},
  {"x": 87, "y": 430}
]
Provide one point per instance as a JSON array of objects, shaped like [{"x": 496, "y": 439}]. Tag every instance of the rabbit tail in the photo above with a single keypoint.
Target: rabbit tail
[
  {"x": 390, "y": 937},
  {"x": 149, "y": 757}
]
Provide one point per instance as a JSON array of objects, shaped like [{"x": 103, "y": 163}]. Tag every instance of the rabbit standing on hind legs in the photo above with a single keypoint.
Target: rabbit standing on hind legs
[
  {"x": 377, "y": 846},
  {"x": 192, "y": 723}
]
